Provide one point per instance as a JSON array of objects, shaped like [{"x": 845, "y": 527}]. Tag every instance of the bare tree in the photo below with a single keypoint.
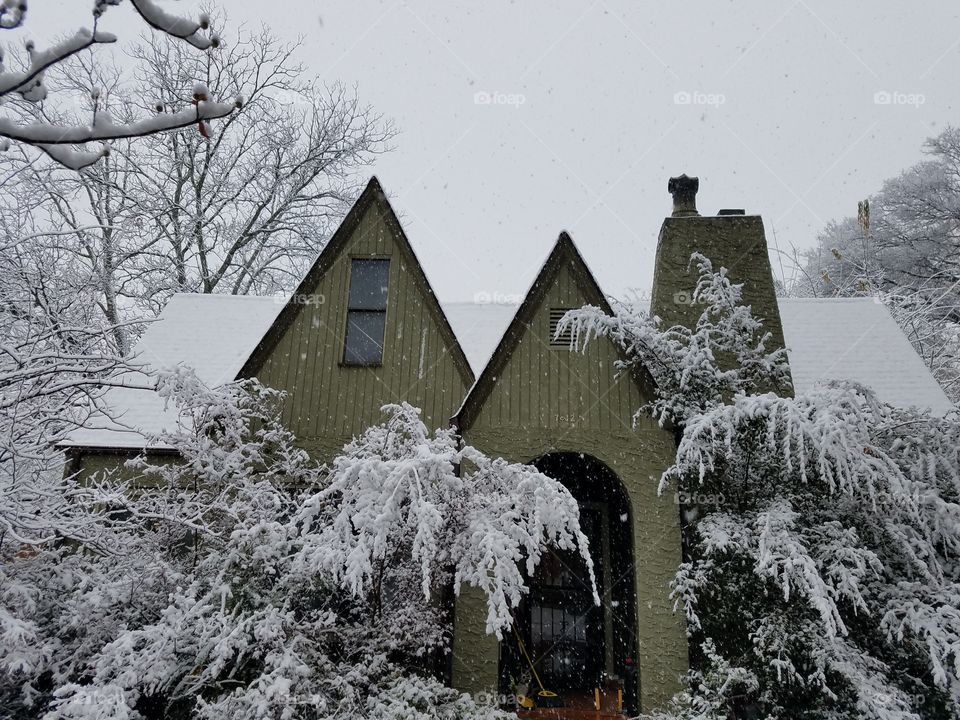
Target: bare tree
[
  {"x": 54, "y": 365},
  {"x": 243, "y": 209}
]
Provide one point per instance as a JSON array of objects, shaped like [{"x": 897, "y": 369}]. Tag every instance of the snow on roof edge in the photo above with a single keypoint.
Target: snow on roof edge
[{"x": 820, "y": 347}]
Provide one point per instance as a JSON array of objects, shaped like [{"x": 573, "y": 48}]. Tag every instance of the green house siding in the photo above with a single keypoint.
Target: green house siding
[
  {"x": 547, "y": 399},
  {"x": 327, "y": 402}
]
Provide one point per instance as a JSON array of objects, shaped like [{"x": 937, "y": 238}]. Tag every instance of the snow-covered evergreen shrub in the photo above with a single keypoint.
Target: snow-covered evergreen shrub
[
  {"x": 246, "y": 581},
  {"x": 822, "y": 579}
]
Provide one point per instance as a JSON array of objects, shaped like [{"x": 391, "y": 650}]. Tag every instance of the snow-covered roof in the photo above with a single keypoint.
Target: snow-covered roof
[
  {"x": 827, "y": 339},
  {"x": 852, "y": 339},
  {"x": 479, "y": 328},
  {"x": 213, "y": 334},
  {"x": 857, "y": 339}
]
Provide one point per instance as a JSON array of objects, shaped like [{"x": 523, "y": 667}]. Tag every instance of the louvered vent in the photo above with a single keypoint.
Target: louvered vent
[{"x": 563, "y": 340}]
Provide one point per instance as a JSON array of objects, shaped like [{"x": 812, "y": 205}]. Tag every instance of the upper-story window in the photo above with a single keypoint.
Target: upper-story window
[{"x": 366, "y": 312}]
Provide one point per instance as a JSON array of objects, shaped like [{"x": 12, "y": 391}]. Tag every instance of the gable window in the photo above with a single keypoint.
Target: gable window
[
  {"x": 563, "y": 340},
  {"x": 366, "y": 312}
]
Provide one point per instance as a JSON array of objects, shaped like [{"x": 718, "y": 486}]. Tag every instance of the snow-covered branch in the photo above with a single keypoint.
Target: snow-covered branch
[
  {"x": 52, "y": 138},
  {"x": 822, "y": 530},
  {"x": 395, "y": 492},
  {"x": 686, "y": 362},
  {"x": 179, "y": 27},
  {"x": 242, "y": 579},
  {"x": 28, "y": 83}
]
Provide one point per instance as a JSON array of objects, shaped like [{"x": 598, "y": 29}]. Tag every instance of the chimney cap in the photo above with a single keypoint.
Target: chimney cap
[{"x": 684, "y": 190}]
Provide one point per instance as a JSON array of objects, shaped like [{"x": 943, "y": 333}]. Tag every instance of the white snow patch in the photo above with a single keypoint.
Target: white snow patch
[
  {"x": 857, "y": 339},
  {"x": 479, "y": 328},
  {"x": 213, "y": 334}
]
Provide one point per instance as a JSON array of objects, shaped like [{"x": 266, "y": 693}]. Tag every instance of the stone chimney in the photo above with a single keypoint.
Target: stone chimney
[{"x": 730, "y": 239}]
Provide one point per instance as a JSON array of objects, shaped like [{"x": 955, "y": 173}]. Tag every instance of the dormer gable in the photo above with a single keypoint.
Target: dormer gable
[
  {"x": 533, "y": 377},
  {"x": 364, "y": 328}
]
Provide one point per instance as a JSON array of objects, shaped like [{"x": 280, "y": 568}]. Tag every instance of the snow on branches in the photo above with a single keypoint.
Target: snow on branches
[
  {"x": 179, "y": 27},
  {"x": 53, "y": 369},
  {"x": 396, "y": 491},
  {"x": 66, "y": 144},
  {"x": 242, "y": 580},
  {"x": 821, "y": 576},
  {"x": 724, "y": 354}
]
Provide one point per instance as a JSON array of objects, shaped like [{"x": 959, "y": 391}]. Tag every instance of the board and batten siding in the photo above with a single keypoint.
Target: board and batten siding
[
  {"x": 554, "y": 399},
  {"x": 548, "y": 386},
  {"x": 327, "y": 403}
]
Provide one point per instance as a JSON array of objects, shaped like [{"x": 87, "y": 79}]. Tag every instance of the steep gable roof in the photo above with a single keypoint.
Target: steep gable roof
[
  {"x": 857, "y": 339},
  {"x": 224, "y": 337},
  {"x": 212, "y": 334},
  {"x": 372, "y": 198},
  {"x": 564, "y": 254}
]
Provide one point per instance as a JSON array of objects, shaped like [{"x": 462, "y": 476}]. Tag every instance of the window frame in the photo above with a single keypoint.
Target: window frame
[{"x": 348, "y": 311}]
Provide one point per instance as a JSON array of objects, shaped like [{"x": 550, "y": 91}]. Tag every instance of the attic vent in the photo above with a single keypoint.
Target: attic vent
[{"x": 563, "y": 340}]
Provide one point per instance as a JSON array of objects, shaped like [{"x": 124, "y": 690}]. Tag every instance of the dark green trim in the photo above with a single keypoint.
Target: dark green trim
[{"x": 75, "y": 454}]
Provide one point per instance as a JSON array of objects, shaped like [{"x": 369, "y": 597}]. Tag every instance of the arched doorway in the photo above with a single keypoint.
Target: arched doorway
[{"x": 575, "y": 645}]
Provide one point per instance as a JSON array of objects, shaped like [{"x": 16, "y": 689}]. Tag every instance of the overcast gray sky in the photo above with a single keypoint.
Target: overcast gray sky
[{"x": 593, "y": 105}]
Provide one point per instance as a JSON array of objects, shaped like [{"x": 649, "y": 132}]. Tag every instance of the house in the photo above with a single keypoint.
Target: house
[{"x": 365, "y": 328}]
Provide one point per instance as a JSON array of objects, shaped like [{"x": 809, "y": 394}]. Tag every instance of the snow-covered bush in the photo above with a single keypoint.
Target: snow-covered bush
[
  {"x": 824, "y": 580},
  {"x": 725, "y": 354},
  {"x": 56, "y": 604},
  {"x": 243, "y": 580},
  {"x": 396, "y": 493}
]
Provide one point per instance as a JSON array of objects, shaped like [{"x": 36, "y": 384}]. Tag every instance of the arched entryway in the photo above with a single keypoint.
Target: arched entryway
[{"x": 574, "y": 645}]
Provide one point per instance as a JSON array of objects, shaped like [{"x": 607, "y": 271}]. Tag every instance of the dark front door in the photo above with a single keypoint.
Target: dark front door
[{"x": 565, "y": 626}]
